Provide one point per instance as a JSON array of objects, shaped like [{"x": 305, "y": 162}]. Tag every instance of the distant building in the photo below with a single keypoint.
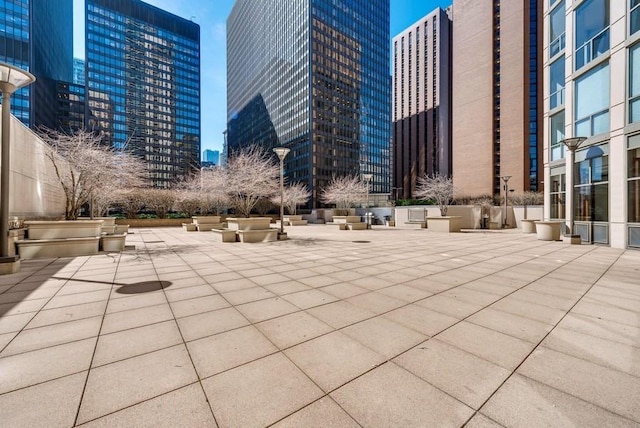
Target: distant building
[
  {"x": 312, "y": 76},
  {"x": 37, "y": 35},
  {"x": 211, "y": 156},
  {"x": 143, "y": 84},
  {"x": 497, "y": 104},
  {"x": 78, "y": 71},
  {"x": 592, "y": 90},
  {"x": 421, "y": 102}
]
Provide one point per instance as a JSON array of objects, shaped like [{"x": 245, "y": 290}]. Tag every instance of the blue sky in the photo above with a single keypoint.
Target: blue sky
[{"x": 211, "y": 15}]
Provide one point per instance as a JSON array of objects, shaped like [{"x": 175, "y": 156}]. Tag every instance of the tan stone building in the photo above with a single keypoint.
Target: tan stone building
[{"x": 497, "y": 107}]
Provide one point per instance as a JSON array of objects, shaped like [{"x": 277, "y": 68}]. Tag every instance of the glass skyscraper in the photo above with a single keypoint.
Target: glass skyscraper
[
  {"x": 37, "y": 35},
  {"x": 313, "y": 76},
  {"x": 143, "y": 84}
]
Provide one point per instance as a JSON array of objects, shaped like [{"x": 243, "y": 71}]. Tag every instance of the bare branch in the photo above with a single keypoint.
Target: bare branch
[{"x": 344, "y": 192}]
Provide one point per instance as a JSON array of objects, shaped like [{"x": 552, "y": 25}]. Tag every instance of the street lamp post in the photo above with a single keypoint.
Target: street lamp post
[
  {"x": 505, "y": 178},
  {"x": 11, "y": 79},
  {"x": 572, "y": 145},
  {"x": 367, "y": 178},
  {"x": 282, "y": 152}
]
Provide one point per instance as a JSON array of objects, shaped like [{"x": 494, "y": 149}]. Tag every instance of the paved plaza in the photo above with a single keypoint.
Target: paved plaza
[{"x": 376, "y": 328}]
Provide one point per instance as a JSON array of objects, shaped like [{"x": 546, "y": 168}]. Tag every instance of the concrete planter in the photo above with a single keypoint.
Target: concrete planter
[
  {"x": 209, "y": 219},
  {"x": 109, "y": 229},
  {"x": 122, "y": 228},
  {"x": 112, "y": 243},
  {"x": 444, "y": 224},
  {"x": 252, "y": 223},
  {"x": 49, "y": 248},
  {"x": 548, "y": 230},
  {"x": 63, "y": 229},
  {"x": 529, "y": 226},
  {"x": 339, "y": 219},
  {"x": 261, "y": 235}
]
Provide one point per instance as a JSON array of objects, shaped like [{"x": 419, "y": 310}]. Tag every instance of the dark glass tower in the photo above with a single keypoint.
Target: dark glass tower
[
  {"x": 143, "y": 84},
  {"x": 37, "y": 35},
  {"x": 313, "y": 76}
]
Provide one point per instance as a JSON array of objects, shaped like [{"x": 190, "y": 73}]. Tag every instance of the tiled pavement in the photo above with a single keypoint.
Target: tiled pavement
[{"x": 331, "y": 328}]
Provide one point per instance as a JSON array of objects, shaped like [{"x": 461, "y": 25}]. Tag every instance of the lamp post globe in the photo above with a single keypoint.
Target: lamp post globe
[
  {"x": 282, "y": 152},
  {"x": 572, "y": 144}
]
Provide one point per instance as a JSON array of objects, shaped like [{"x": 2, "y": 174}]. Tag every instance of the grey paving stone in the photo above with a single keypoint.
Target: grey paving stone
[
  {"x": 384, "y": 336},
  {"x": 523, "y": 402},
  {"x": 344, "y": 290},
  {"x": 175, "y": 295},
  {"x": 466, "y": 377},
  {"x": 247, "y": 295},
  {"x": 320, "y": 414},
  {"x": 340, "y": 314},
  {"x": 513, "y": 325},
  {"x": 391, "y": 396},
  {"x": 456, "y": 308},
  {"x": 259, "y": 393},
  {"x": 606, "y": 311},
  {"x": 286, "y": 287},
  {"x": 375, "y": 302},
  {"x": 289, "y": 330},
  {"x": 610, "y": 389},
  {"x": 530, "y": 310},
  {"x": 310, "y": 298},
  {"x": 266, "y": 309},
  {"x": 421, "y": 319},
  {"x": 128, "y": 382},
  {"x": 30, "y": 368},
  {"x": 481, "y": 421},
  {"x": 333, "y": 359},
  {"x": 209, "y": 323},
  {"x": 14, "y": 323},
  {"x": 135, "y": 302},
  {"x": 215, "y": 354},
  {"x": 133, "y": 318},
  {"x": 49, "y": 404},
  {"x": 610, "y": 330},
  {"x": 405, "y": 293},
  {"x": 185, "y": 407}
]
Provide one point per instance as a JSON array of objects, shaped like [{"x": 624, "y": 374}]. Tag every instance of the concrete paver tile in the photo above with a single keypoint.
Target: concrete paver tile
[
  {"x": 523, "y": 402},
  {"x": 136, "y": 301},
  {"x": 289, "y": 330},
  {"x": 557, "y": 302},
  {"x": 371, "y": 283},
  {"x": 500, "y": 349},
  {"x": 208, "y": 323},
  {"x": 324, "y": 413},
  {"x": 49, "y": 404},
  {"x": 5, "y": 338},
  {"x": 268, "y": 278},
  {"x": 310, "y": 298},
  {"x": 472, "y": 296},
  {"x": 266, "y": 309},
  {"x": 286, "y": 287},
  {"x": 344, "y": 290},
  {"x": 129, "y": 343},
  {"x": 30, "y": 368},
  {"x": 513, "y": 325},
  {"x": 175, "y": 295},
  {"x": 57, "y": 334},
  {"x": 232, "y": 284},
  {"x": 25, "y": 306},
  {"x": 607, "y": 312},
  {"x": 14, "y": 323},
  {"x": 215, "y": 354},
  {"x": 391, "y": 396},
  {"x": 470, "y": 379},
  {"x": 375, "y": 302},
  {"x": 421, "y": 319},
  {"x": 318, "y": 281},
  {"x": 529, "y": 310},
  {"x": 405, "y": 293},
  {"x": 333, "y": 359},
  {"x": 133, "y": 318},
  {"x": 607, "y": 388},
  {"x": 481, "y": 421},
  {"x": 247, "y": 295},
  {"x": 128, "y": 382},
  {"x": 384, "y": 336},
  {"x": 340, "y": 314},
  {"x": 67, "y": 313},
  {"x": 259, "y": 393},
  {"x": 184, "y": 308},
  {"x": 186, "y": 407},
  {"x": 449, "y": 306},
  {"x": 605, "y": 329}
]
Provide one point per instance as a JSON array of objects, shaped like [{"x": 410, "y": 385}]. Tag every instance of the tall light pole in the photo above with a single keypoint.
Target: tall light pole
[
  {"x": 505, "y": 178},
  {"x": 572, "y": 145},
  {"x": 282, "y": 152},
  {"x": 11, "y": 79},
  {"x": 367, "y": 178}
]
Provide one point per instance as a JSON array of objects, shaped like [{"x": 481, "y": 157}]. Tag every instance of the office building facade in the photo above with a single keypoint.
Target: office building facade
[
  {"x": 421, "y": 102},
  {"x": 592, "y": 88},
  {"x": 313, "y": 76},
  {"x": 211, "y": 156},
  {"x": 497, "y": 105},
  {"x": 78, "y": 71},
  {"x": 143, "y": 84},
  {"x": 36, "y": 35}
]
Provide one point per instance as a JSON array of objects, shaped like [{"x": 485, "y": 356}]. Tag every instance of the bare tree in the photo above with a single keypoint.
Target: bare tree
[
  {"x": 438, "y": 188},
  {"x": 344, "y": 191},
  {"x": 251, "y": 175},
  {"x": 213, "y": 182},
  {"x": 294, "y": 195},
  {"x": 159, "y": 200},
  {"x": 263, "y": 206},
  {"x": 90, "y": 168},
  {"x": 527, "y": 198}
]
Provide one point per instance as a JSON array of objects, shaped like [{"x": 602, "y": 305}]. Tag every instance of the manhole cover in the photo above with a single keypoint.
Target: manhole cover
[{"x": 361, "y": 242}]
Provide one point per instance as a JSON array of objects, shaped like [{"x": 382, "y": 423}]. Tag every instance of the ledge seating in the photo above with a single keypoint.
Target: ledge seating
[{"x": 417, "y": 219}]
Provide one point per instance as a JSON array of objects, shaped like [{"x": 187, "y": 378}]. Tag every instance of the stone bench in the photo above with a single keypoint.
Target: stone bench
[
  {"x": 206, "y": 227},
  {"x": 58, "y": 247},
  {"x": 415, "y": 224},
  {"x": 259, "y": 235},
  {"x": 224, "y": 235},
  {"x": 360, "y": 225},
  {"x": 190, "y": 227}
]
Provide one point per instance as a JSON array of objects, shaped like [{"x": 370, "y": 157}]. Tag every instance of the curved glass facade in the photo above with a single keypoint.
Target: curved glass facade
[{"x": 313, "y": 76}]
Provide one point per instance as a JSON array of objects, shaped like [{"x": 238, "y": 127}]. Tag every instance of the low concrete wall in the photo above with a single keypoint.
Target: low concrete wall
[
  {"x": 530, "y": 212},
  {"x": 34, "y": 191},
  {"x": 471, "y": 215}
]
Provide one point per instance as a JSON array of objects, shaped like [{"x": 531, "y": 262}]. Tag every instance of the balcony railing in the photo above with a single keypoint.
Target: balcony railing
[
  {"x": 557, "y": 45},
  {"x": 592, "y": 49},
  {"x": 556, "y": 99}
]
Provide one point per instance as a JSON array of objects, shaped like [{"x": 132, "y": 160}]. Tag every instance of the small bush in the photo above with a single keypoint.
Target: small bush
[{"x": 146, "y": 216}]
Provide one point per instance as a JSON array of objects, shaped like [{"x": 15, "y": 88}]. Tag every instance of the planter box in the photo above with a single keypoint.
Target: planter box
[
  {"x": 49, "y": 248},
  {"x": 261, "y": 235},
  {"x": 341, "y": 219},
  {"x": 444, "y": 224},
  {"x": 529, "y": 226},
  {"x": 63, "y": 229},
  {"x": 206, "y": 227},
  {"x": 294, "y": 220},
  {"x": 109, "y": 229},
  {"x": 190, "y": 227},
  {"x": 548, "y": 230},
  {"x": 253, "y": 223},
  {"x": 152, "y": 222},
  {"x": 224, "y": 235},
  {"x": 112, "y": 243},
  {"x": 209, "y": 219},
  {"x": 107, "y": 221},
  {"x": 122, "y": 228}
]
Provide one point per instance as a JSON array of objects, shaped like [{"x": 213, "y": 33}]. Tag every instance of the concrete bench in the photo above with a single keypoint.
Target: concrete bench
[
  {"x": 206, "y": 227},
  {"x": 224, "y": 235},
  {"x": 416, "y": 224},
  {"x": 360, "y": 225},
  {"x": 190, "y": 227},
  {"x": 260, "y": 235}
]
